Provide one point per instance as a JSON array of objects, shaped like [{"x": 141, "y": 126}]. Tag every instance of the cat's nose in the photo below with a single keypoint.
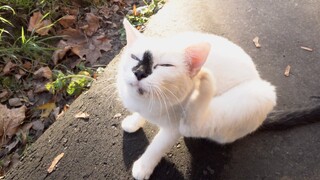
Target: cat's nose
[{"x": 140, "y": 74}]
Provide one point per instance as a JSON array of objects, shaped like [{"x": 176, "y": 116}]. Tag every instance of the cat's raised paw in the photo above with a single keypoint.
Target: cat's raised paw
[
  {"x": 141, "y": 171},
  {"x": 132, "y": 123},
  {"x": 207, "y": 83}
]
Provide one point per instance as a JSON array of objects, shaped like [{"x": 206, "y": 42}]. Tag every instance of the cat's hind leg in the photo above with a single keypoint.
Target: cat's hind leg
[
  {"x": 239, "y": 111},
  {"x": 235, "y": 113},
  {"x": 132, "y": 123}
]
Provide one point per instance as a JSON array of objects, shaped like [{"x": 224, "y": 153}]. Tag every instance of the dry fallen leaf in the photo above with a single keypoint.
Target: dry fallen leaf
[
  {"x": 35, "y": 19},
  {"x": 38, "y": 24},
  {"x": 7, "y": 69},
  {"x": 27, "y": 65},
  {"x": 92, "y": 49},
  {"x": 55, "y": 162},
  {"x": 21, "y": 72},
  {"x": 256, "y": 42},
  {"x": 47, "y": 107},
  {"x": 55, "y": 112},
  {"x": 30, "y": 95},
  {"x": 66, "y": 107},
  {"x": 88, "y": 48},
  {"x": 117, "y": 115},
  {"x": 39, "y": 86},
  {"x": 11, "y": 119},
  {"x": 38, "y": 125},
  {"x": 43, "y": 72},
  {"x": 58, "y": 54},
  {"x": 93, "y": 53},
  {"x": 15, "y": 102},
  {"x": 105, "y": 11},
  {"x": 306, "y": 48},
  {"x": 287, "y": 71},
  {"x": 115, "y": 8},
  {"x": 93, "y": 24},
  {"x": 73, "y": 38},
  {"x": 135, "y": 10},
  {"x": 67, "y": 21},
  {"x": 12, "y": 145},
  {"x": 4, "y": 93},
  {"x": 25, "y": 132},
  {"x": 73, "y": 11},
  {"x": 82, "y": 115},
  {"x": 73, "y": 35}
]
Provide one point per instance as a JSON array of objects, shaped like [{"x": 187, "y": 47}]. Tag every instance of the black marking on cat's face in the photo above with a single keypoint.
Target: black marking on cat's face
[{"x": 144, "y": 68}]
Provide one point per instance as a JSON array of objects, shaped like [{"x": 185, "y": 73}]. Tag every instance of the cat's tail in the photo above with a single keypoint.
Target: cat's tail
[{"x": 278, "y": 120}]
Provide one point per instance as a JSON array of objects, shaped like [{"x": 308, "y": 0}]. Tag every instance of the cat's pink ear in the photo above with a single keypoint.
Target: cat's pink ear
[
  {"x": 197, "y": 55},
  {"x": 131, "y": 32}
]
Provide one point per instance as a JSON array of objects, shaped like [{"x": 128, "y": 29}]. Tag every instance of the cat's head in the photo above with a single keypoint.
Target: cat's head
[{"x": 159, "y": 68}]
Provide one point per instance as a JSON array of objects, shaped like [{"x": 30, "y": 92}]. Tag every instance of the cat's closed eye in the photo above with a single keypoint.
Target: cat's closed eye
[
  {"x": 164, "y": 65},
  {"x": 135, "y": 57}
]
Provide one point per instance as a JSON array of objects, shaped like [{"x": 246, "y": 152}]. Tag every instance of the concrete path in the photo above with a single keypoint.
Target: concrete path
[{"x": 98, "y": 149}]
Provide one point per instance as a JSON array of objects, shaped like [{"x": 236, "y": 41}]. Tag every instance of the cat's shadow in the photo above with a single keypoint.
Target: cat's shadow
[
  {"x": 208, "y": 159},
  {"x": 134, "y": 144}
]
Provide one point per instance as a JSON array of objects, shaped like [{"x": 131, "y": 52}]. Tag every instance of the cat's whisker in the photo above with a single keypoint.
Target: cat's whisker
[
  {"x": 165, "y": 103},
  {"x": 174, "y": 96},
  {"x": 159, "y": 99},
  {"x": 169, "y": 96},
  {"x": 172, "y": 106},
  {"x": 152, "y": 99},
  {"x": 149, "y": 89},
  {"x": 163, "y": 98}
]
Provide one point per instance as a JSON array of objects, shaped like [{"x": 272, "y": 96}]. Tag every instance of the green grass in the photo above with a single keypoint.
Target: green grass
[
  {"x": 141, "y": 18},
  {"x": 72, "y": 84}
]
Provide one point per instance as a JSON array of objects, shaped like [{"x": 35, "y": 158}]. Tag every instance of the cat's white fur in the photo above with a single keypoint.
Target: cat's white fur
[{"x": 223, "y": 100}]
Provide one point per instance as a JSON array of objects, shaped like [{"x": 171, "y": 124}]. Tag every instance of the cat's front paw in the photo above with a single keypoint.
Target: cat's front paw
[
  {"x": 132, "y": 123},
  {"x": 141, "y": 170}
]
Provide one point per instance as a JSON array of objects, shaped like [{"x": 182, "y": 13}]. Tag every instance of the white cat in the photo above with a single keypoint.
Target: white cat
[{"x": 193, "y": 85}]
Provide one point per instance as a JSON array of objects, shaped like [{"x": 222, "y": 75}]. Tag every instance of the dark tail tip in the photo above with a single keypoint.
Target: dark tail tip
[{"x": 279, "y": 120}]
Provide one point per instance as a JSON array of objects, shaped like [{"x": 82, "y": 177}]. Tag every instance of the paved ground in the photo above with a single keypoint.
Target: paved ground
[{"x": 98, "y": 149}]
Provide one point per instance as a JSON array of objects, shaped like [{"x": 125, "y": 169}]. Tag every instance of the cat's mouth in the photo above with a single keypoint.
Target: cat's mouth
[{"x": 140, "y": 90}]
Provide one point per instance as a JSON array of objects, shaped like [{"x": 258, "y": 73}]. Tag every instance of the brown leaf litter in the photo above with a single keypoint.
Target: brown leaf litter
[
  {"x": 43, "y": 72},
  {"x": 82, "y": 115},
  {"x": 306, "y": 48},
  {"x": 38, "y": 24},
  {"x": 54, "y": 163},
  {"x": 287, "y": 71},
  {"x": 10, "y": 120},
  {"x": 256, "y": 42},
  {"x": 47, "y": 109},
  {"x": 82, "y": 46},
  {"x": 68, "y": 20}
]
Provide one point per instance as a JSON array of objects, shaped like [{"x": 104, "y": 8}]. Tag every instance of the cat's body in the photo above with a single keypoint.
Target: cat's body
[{"x": 193, "y": 85}]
